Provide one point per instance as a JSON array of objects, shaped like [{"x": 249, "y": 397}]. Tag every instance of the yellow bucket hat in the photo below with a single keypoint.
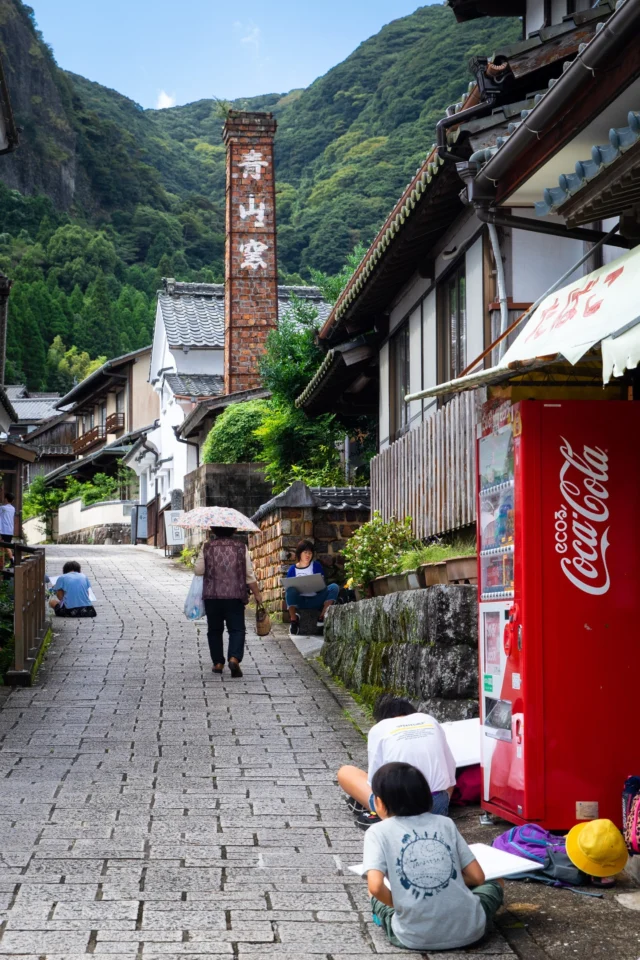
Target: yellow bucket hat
[{"x": 597, "y": 847}]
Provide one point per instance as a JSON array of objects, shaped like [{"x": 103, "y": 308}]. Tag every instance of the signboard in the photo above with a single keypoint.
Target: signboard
[
  {"x": 573, "y": 319},
  {"x": 174, "y": 534}
]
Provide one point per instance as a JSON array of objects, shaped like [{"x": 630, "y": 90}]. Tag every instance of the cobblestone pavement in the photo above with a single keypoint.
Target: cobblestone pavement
[{"x": 151, "y": 810}]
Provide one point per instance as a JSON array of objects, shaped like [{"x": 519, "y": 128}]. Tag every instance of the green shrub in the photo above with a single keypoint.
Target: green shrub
[
  {"x": 188, "y": 557},
  {"x": 376, "y": 549},
  {"x": 436, "y": 552},
  {"x": 232, "y": 439}
]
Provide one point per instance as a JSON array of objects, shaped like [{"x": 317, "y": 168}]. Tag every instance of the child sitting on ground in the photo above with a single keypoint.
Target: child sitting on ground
[
  {"x": 404, "y": 735},
  {"x": 72, "y": 593},
  {"x": 438, "y": 898}
]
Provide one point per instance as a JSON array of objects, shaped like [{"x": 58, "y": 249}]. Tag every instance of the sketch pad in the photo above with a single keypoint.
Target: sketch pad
[{"x": 495, "y": 863}]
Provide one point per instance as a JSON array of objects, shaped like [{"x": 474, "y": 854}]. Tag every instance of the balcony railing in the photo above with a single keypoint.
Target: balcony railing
[
  {"x": 429, "y": 474},
  {"x": 90, "y": 438},
  {"x": 115, "y": 422}
]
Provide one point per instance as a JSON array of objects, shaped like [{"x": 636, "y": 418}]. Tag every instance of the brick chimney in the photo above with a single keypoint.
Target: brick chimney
[{"x": 251, "y": 271}]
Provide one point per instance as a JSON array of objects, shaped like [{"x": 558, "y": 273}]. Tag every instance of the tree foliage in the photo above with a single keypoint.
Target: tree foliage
[
  {"x": 232, "y": 438},
  {"x": 151, "y": 184}
]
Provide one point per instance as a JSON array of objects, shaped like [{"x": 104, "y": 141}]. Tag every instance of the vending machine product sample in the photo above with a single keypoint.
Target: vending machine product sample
[{"x": 559, "y": 591}]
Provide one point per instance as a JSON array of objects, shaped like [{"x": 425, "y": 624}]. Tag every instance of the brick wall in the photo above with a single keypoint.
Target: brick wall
[
  {"x": 251, "y": 272},
  {"x": 272, "y": 549}
]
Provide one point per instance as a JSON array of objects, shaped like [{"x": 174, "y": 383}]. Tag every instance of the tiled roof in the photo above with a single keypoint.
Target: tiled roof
[
  {"x": 482, "y": 157},
  {"x": 621, "y": 139},
  {"x": 299, "y": 495},
  {"x": 413, "y": 194},
  {"x": 33, "y": 408},
  {"x": 193, "y": 313},
  {"x": 195, "y": 384},
  {"x": 342, "y": 498},
  {"x": 16, "y": 390}
]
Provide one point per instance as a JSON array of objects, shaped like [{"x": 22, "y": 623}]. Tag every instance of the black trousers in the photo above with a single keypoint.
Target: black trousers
[{"x": 231, "y": 613}]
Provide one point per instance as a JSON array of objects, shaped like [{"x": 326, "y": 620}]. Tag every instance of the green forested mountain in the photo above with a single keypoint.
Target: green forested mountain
[{"x": 103, "y": 198}]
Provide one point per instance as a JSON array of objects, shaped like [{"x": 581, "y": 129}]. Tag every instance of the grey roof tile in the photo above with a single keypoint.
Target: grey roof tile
[
  {"x": 16, "y": 390},
  {"x": 193, "y": 313},
  {"x": 34, "y": 408},
  {"x": 196, "y": 384}
]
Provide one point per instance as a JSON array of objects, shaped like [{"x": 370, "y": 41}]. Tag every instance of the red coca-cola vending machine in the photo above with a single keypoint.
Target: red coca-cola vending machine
[{"x": 559, "y": 612}]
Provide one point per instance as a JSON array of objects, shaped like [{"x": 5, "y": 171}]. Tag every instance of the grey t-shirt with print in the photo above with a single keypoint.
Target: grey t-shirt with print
[{"x": 424, "y": 857}]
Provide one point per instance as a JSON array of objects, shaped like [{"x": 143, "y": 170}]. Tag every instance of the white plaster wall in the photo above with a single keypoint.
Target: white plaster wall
[
  {"x": 73, "y": 516},
  {"x": 475, "y": 301},
  {"x": 415, "y": 365},
  {"x": 558, "y": 10},
  {"x": 197, "y": 361},
  {"x": 538, "y": 261},
  {"x": 461, "y": 232},
  {"x": 34, "y": 531},
  {"x": 383, "y": 421},
  {"x": 412, "y": 291},
  {"x": 535, "y": 15},
  {"x": 160, "y": 354},
  {"x": 430, "y": 348}
]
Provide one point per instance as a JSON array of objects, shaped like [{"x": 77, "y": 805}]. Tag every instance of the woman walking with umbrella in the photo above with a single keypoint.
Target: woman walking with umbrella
[{"x": 226, "y": 566}]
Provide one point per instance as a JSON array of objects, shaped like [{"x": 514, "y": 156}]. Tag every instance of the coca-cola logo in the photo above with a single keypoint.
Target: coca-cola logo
[{"x": 579, "y": 531}]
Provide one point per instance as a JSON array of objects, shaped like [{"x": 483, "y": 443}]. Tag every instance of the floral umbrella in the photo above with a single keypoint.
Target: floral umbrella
[{"x": 216, "y": 517}]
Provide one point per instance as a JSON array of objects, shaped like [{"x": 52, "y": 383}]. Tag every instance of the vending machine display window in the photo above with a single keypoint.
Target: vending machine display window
[
  {"x": 497, "y": 718},
  {"x": 497, "y": 513}
]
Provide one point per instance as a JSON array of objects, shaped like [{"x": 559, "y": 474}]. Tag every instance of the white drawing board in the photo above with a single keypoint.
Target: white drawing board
[
  {"x": 463, "y": 737},
  {"x": 496, "y": 864}
]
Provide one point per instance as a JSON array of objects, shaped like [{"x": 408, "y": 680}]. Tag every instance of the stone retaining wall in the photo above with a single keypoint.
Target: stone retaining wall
[
  {"x": 106, "y": 533},
  {"x": 421, "y": 643}
]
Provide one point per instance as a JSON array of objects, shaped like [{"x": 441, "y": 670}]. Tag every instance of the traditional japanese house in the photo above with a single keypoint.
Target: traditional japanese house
[{"x": 479, "y": 235}]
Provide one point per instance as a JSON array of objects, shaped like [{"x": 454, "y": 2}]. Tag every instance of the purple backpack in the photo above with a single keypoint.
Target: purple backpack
[{"x": 530, "y": 841}]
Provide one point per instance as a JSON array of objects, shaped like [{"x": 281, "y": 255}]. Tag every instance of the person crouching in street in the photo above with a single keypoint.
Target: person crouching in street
[
  {"x": 401, "y": 734},
  {"x": 72, "y": 593},
  {"x": 304, "y": 566},
  {"x": 437, "y": 897},
  {"x": 226, "y": 566}
]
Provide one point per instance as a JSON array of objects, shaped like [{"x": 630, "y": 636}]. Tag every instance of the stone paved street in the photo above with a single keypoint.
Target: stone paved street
[{"x": 149, "y": 809}]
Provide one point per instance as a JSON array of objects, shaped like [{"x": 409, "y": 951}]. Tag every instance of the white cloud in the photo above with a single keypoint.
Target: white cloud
[
  {"x": 165, "y": 100},
  {"x": 253, "y": 36}
]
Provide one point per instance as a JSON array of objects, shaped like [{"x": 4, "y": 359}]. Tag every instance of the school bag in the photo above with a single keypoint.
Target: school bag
[
  {"x": 467, "y": 790},
  {"x": 631, "y": 814},
  {"x": 534, "y": 843}
]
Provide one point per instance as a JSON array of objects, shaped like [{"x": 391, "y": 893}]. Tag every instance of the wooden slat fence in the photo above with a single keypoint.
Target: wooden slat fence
[
  {"x": 429, "y": 474},
  {"x": 30, "y": 622}
]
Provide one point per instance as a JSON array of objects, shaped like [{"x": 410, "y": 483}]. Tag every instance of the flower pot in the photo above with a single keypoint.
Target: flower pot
[
  {"x": 363, "y": 593},
  {"x": 381, "y": 586},
  {"x": 462, "y": 569},
  {"x": 414, "y": 581},
  {"x": 398, "y": 582},
  {"x": 433, "y": 573}
]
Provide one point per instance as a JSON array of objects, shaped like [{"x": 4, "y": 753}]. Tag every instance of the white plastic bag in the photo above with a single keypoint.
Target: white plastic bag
[{"x": 194, "y": 604}]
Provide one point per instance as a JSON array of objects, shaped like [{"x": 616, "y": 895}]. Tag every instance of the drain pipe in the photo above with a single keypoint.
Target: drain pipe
[
  {"x": 502, "y": 286},
  {"x": 189, "y": 443},
  {"x": 454, "y": 120}
]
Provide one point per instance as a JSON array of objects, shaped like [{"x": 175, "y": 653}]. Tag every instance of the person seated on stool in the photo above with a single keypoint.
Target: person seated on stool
[{"x": 304, "y": 566}]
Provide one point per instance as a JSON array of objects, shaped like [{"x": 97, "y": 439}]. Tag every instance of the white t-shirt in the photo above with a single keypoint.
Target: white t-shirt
[
  {"x": 7, "y": 519},
  {"x": 417, "y": 739}
]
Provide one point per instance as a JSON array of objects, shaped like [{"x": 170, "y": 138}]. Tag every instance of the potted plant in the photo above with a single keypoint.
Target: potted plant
[{"x": 374, "y": 552}]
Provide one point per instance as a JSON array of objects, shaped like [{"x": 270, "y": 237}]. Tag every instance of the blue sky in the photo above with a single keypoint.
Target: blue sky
[{"x": 160, "y": 52}]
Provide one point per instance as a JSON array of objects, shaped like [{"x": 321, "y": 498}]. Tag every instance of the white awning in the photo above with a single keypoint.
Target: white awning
[{"x": 602, "y": 305}]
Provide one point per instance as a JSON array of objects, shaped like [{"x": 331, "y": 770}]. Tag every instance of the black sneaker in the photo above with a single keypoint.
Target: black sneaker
[
  {"x": 367, "y": 819},
  {"x": 294, "y": 627},
  {"x": 320, "y": 623},
  {"x": 354, "y": 806}
]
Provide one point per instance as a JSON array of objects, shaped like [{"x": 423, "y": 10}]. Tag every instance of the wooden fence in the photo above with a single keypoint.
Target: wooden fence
[
  {"x": 429, "y": 474},
  {"x": 30, "y": 621}
]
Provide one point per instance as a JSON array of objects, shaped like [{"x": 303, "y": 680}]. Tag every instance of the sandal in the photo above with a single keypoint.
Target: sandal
[
  {"x": 218, "y": 667},
  {"x": 234, "y": 666}
]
